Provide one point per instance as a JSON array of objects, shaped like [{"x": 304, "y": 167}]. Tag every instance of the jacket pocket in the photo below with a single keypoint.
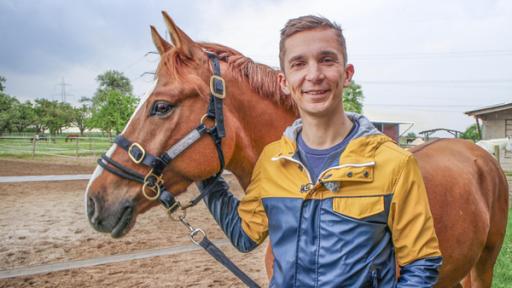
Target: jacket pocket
[{"x": 358, "y": 207}]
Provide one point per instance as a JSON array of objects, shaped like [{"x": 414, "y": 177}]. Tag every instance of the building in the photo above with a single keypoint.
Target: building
[
  {"x": 391, "y": 129},
  {"x": 493, "y": 122}
]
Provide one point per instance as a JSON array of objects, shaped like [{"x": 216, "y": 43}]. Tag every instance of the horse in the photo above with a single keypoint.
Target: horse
[
  {"x": 467, "y": 191},
  {"x": 502, "y": 143},
  {"x": 71, "y": 137},
  {"x": 38, "y": 137}
]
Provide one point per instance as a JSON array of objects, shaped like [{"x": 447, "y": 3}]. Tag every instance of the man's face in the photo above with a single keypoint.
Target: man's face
[{"x": 314, "y": 72}]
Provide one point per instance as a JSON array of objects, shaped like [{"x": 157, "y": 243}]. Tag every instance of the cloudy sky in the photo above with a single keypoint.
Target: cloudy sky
[{"x": 418, "y": 61}]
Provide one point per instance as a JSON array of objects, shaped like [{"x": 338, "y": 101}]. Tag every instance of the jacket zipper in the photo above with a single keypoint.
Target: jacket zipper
[{"x": 367, "y": 164}]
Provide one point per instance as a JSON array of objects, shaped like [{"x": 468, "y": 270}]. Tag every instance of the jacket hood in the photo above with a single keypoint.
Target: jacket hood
[{"x": 362, "y": 146}]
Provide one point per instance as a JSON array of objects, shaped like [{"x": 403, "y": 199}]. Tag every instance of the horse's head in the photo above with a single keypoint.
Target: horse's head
[{"x": 123, "y": 186}]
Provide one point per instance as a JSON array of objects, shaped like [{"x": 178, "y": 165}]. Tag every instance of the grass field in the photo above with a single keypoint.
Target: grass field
[
  {"x": 503, "y": 268},
  {"x": 24, "y": 147}
]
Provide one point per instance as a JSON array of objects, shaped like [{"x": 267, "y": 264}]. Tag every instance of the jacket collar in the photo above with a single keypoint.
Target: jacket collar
[{"x": 362, "y": 146}]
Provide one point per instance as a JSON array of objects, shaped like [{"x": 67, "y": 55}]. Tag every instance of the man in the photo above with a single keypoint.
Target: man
[{"x": 340, "y": 201}]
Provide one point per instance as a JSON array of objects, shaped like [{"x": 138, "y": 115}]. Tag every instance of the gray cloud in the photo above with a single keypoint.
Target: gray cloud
[{"x": 45, "y": 41}]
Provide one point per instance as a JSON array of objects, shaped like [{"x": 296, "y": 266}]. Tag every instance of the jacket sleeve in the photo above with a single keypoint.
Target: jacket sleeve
[
  {"x": 412, "y": 227},
  {"x": 243, "y": 221}
]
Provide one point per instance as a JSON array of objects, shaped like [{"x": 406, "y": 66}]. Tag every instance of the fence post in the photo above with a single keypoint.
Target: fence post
[
  {"x": 497, "y": 153},
  {"x": 77, "y": 140},
  {"x": 90, "y": 145},
  {"x": 33, "y": 146}
]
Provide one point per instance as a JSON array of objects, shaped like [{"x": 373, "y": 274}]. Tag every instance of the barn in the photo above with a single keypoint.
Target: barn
[{"x": 493, "y": 121}]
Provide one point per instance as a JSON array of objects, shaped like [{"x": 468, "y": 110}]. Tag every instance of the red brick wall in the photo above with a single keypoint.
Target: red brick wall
[{"x": 391, "y": 130}]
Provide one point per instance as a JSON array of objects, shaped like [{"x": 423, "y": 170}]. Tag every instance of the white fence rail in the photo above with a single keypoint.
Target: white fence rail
[{"x": 60, "y": 146}]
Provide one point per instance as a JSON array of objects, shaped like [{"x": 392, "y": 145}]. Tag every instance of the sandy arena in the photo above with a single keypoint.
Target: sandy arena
[{"x": 45, "y": 222}]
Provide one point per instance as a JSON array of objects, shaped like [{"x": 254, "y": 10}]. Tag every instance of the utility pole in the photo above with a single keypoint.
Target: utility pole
[{"x": 63, "y": 94}]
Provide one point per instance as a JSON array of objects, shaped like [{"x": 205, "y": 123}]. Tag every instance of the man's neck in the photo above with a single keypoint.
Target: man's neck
[{"x": 325, "y": 132}]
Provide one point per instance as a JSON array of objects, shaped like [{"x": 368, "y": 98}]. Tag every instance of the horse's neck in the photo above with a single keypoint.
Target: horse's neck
[{"x": 260, "y": 121}]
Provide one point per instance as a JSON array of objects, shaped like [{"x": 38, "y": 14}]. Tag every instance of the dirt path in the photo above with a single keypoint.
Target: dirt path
[{"x": 44, "y": 222}]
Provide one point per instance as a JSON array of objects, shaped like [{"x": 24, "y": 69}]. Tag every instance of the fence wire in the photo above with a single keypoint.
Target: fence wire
[{"x": 67, "y": 147}]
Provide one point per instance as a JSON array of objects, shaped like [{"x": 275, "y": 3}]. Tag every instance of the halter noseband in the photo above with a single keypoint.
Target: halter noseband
[{"x": 152, "y": 183}]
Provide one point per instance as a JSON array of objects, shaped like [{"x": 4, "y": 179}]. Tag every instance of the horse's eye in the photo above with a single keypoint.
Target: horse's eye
[{"x": 161, "y": 108}]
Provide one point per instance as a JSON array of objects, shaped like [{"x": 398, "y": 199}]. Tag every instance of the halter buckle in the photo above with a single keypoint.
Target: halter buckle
[
  {"x": 140, "y": 153},
  {"x": 152, "y": 185},
  {"x": 217, "y": 86}
]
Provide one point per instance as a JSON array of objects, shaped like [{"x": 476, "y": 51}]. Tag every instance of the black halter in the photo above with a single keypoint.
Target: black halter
[{"x": 153, "y": 181}]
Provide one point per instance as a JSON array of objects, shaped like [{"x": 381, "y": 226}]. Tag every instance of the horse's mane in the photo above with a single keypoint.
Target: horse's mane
[{"x": 260, "y": 77}]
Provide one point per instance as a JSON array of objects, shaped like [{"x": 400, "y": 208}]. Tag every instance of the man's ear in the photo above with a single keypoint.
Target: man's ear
[
  {"x": 283, "y": 83},
  {"x": 349, "y": 72}
]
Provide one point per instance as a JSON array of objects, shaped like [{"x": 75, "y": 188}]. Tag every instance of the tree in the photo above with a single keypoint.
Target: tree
[
  {"x": 114, "y": 80},
  {"x": 113, "y": 103},
  {"x": 7, "y": 103},
  {"x": 411, "y": 135},
  {"x": 353, "y": 98},
  {"x": 81, "y": 116},
  {"x": 52, "y": 115},
  {"x": 2, "y": 83},
  {"x": 471, "y": 133},
  {"x": 23, "y": 115}
]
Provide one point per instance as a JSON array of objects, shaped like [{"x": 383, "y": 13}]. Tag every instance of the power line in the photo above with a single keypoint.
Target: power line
[
  {"x": 421, "y": 55},
  {"x": 415, "y": 55},
  {"x": 439, "y": 82},
  {"x": 422, "y": 105}
]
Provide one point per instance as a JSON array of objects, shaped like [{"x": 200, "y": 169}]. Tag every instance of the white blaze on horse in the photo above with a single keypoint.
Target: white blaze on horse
[{"x": 467, "y": 190}]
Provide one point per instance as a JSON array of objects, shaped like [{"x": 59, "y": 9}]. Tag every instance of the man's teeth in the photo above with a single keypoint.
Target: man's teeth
[{"x": 316, "y": 92}]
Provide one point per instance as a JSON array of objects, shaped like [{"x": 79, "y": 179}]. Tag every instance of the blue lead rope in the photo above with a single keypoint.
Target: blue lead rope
[{"x": 216, "y": 253}]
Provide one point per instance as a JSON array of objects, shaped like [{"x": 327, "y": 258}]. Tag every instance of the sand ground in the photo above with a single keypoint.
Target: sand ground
[{"x": 45, "y": 222}]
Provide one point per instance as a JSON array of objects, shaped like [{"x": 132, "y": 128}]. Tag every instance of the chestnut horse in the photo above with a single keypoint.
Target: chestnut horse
[{"x": 467, "y": 190}]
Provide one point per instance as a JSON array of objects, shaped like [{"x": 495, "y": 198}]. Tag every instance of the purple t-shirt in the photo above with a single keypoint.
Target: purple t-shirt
[{"x": 318, "y": 160}]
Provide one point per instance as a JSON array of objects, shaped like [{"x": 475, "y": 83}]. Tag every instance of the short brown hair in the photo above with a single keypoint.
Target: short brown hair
[{"x": 309, "y": 22}]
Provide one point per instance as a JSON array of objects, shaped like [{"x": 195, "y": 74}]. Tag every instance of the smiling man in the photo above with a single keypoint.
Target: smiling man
[{"x": 340, "y": 201}]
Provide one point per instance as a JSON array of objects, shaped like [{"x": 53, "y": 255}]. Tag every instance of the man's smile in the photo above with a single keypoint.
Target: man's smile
[{"x": 315, "y": 92}]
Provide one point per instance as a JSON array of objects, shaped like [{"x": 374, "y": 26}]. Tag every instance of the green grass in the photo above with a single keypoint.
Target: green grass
[
  {"x": 22, "y": 147},
  {"x": 503, "y": 269}
]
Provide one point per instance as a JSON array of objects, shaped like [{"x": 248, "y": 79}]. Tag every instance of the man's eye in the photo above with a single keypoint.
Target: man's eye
[
  {"x": 161, "y": 108},
  {"x": 296, "y": 64},
  {"x": 328, "y": 60}
]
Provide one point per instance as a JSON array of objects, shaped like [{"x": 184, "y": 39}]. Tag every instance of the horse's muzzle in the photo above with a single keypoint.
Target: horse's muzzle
[{"x": 116, "y": 221}]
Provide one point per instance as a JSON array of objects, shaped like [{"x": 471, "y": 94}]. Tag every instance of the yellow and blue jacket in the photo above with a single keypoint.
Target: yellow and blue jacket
[{"x": 346, "y": 230}]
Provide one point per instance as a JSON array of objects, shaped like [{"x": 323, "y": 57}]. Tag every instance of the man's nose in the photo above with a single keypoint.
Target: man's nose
[{"x": 314, "y": 72}]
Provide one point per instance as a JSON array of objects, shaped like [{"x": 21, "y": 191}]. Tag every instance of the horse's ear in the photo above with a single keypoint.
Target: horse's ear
[
  {"x": 161, "y": 45},
  {"x": 181, "y": 40}
]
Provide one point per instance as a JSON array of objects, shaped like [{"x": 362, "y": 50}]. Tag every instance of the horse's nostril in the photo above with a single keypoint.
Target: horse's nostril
[{"x": 91, "y": 207}]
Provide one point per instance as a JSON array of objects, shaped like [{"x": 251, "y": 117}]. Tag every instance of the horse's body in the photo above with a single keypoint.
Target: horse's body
[
  {"x": 468, "y": 197},
  {"x": 490, "y": 144},
  {"x": 467, "y": 190},
  {"x": 71, "y": 137}
]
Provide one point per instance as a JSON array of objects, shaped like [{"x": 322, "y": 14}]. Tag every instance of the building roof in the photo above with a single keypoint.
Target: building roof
[{"x": 489, "y": 109}]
